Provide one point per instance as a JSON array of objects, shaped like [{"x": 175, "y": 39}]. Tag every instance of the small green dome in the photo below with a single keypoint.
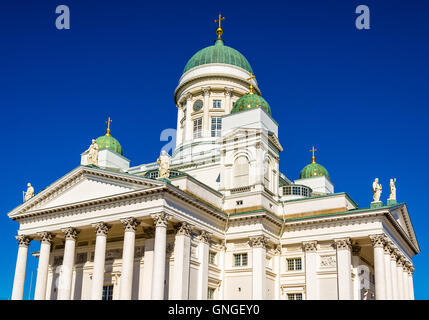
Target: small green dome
[
  {"x": 218, "y": 53},
  {"x": 108, "y": 142},
  {"x": 313, "y": 170},
  {"x": 250, "y": 101}
]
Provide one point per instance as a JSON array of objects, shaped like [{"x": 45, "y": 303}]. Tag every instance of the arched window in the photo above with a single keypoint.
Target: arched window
[{"x": 241, "y": 172}]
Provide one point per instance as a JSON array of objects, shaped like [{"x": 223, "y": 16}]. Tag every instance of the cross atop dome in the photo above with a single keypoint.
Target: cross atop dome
[
  {"x": 219, "y": 30},
  {"x": 252, "y": 76},
  {"x": 108, "y": 126},
  {"x": 313, "y": 158}
]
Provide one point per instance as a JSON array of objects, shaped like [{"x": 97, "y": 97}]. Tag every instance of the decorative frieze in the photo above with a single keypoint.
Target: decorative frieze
[
  {"x": 23, "y": 240},
  {"x": 328, "y": 261},
  {"x": 161, "y": 219},
  {"x": 343, "y": 244},
  {"x": 378, "y": 240},
  {"x": 101, "y": 228},
  {"x": 46, "y": 237},
  {"x": 130, "y": 224},
  {"x": 258, "y": 242},
  {"x": 310, "y": 246},
  {"x": 183, "y": 229},
  {"x": 70, "y": 233}
]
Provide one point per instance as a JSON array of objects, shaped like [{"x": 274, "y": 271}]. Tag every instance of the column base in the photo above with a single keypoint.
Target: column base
[{"x": 376, "y": 204}]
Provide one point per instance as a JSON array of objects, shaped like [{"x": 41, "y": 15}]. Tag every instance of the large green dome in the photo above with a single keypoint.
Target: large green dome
[
  {"x": 313, "y": 170},
  {"x": 218, "y": 53},
  {"x": 250, "y": 101},
  {"x": 108, "y": 142}
]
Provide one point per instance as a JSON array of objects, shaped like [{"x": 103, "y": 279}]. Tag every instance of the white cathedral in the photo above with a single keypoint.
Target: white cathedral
[{"x": 217, "y": 219}]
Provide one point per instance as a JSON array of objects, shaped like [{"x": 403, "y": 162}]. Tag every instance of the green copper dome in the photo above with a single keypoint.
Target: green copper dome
[
  {"x": 218, "y": 53},
  {"x": 250, "y": 101},
  {"x": 313, "y": 170},
  {"x": 108, "y": 142}
]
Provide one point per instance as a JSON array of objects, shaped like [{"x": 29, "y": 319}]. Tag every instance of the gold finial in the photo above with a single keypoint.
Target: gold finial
[
  {"x": 108, "y": 127},
  {"x": 313, "y": 159},
  {"x": 219, "y": 30},
  {"x": 252, "y": 76}
]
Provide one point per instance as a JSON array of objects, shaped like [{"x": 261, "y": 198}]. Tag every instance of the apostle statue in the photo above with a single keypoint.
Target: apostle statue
[
  {"x": 392, "y": 189},
  {"x": 164, "y": 165},
  {"x": 93, "y": 153},
  {"x": 376, "y": 190},
  {"x": 29, "y": 193}
]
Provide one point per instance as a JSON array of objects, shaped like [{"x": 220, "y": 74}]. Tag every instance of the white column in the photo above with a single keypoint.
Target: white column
[
  {"x": 399, "y": 271},
  {"x": 188, "y": 124},
  {"x": 277, "y": 268},
  {"x": 158, "y": 274},
  {"x": 206, "y": 120},
  {"x": 380, "y": 280},
  {"x": 203, "y": 272},
  {"x": 405, "y": 284},
  {"x": 344, "y": 269},
  {"x": 21, "y": 266},
  {"x": 179, "y": 125},
  {"x": 388, "y": 272},
  {"x": 146, "y": 282},
  {"x": 66, "y": 277},
  {"x": 355, "y": 263},
  {"x": 182, "y": 252},
  {"x": 222, "y": 271},
  {"x": 310, "y": 249},
  {"x": 228, "y": 93},
  {"x": 101, "y": 230},
  {"x": 395, "y": 289},
  {"x": 126, "y": 286},
  {"x": 410, "y": 283},
  {"x": 42, "y": 270},
  {"x": 259, "y": 255}
]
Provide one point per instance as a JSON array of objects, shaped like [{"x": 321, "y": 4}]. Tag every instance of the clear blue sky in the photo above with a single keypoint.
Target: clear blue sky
[{"x": 359, "y": 96}]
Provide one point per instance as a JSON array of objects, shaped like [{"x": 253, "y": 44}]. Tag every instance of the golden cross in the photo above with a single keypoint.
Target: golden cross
[
  {"x": 108, "y": 125},
  {"x": 312, "y": 150},
  {"x": 252, "y": 76},
  {"x": 219, "y": 30}
]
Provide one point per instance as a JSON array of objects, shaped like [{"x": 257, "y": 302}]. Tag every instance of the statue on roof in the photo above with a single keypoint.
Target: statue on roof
[
  {"x": 93, "y": 154},
  {"x": 29, "y": 193},
  {"x": 164, "y": 165},
  {"x": 392, "y": 189},
  {"x": 376, "y": 190}
]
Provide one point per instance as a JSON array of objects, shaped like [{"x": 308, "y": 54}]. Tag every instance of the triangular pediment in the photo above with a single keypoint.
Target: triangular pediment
[
  {"x": 402, "y": 217},
  {"x": 83, "y": 184}
]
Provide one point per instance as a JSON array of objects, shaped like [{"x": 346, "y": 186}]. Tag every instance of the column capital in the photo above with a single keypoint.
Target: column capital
[
  {"x": 258, "y": 241},
  {"x": 405, "y": 265},
  {"x": 378, "y": 240},
  {"x": 393, "y": 253},
  {"x": 23, "y": 240},
  {"x": 204, "y": 236},
  {"x": 206, "y": 91},
  {"x": 183, "y": 229},
  {"x": 47, "y": 237},
  {"x": 310, "y": 246},
  {"x": 130, "y": 224},
  {"x": 70, "y": 233},
  {"x": 400, "y": 261},
  {"x": 228, "y": 91},
  {"x": 343, "y": 244},
  {"x": 411, "y": 270},
  {"x": 188, "y": 96},
  {"x": 149, "y": 232},
  {"x": 101, "y": 228},
  {"x": 356, "y": 250},
  {"x": 161, "y": 219}
]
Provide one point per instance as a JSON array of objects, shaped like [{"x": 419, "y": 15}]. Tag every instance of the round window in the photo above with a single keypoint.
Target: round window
[{"x": 198, "y": 105}]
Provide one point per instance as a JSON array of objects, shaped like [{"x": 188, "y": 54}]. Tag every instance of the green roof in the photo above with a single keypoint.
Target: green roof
[
  {"x": 313, "y": 170},
  {"x": 250, "y": 101},
  {"x": 108, "y": 142},
  {"x": 218, "y": 53}
]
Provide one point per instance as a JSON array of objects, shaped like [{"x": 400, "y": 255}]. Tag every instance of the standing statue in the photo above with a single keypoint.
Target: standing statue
[
  {"x": 164, "y": 165},
  {"x": 30, "y": 192},
  {"x": 392, "y": 190},
  {"x": 93, "y": 153},
  {"x": 376, "y": 190}
]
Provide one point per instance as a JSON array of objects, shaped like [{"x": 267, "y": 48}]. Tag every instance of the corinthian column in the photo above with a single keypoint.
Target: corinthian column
[
  {"x": 388, "y": 272},
  {"x": 259, "y": 254},
  {"x": 206, "y": 119},
  {"x": 182, "y": 250},
  {"x": 179, "y": 133},
  {"x": 101, "y": 230},
  {"x": 344, "y": 269},
  {"x": 42, "y": 270},
  {"x": 126, "y": 286},
  {"x": 158, "y": 274},
  {"x": 310, "y": 249},
  {"x": 410, "y": 283},
  {"x": 399, "y": 271},
  {"x": 64, "y": 290},
  {"x": 395, "y": 289},
  {"x": 21, "y": 266},
  {"x": 188, "y": 121},
  {"x": 203, "y": 272},
  {"x": 405, "y": 284},
  {"x": 380, "y": 280},
  {"x": 228, "y": 93}
]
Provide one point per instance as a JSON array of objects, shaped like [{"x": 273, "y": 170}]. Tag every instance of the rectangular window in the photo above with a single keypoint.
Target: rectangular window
[
  {"x": 217, "y": 104},
  {"x": 216, "y": 126},
  {"x": 210, "y": 293},
  {"x": 240, "y": 259},
  {"x": 294, "y": 264},
  {"x": 294, "y": 296},
  {"x": 198, "y": 128},
  {"x": 296, "y": 191},
  {"x": 212, "y": 257},
  {"x": 107, "y": 292}
]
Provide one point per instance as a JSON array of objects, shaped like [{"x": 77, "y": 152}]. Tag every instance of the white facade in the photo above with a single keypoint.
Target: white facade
[{"x": 226, "y": 225}]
